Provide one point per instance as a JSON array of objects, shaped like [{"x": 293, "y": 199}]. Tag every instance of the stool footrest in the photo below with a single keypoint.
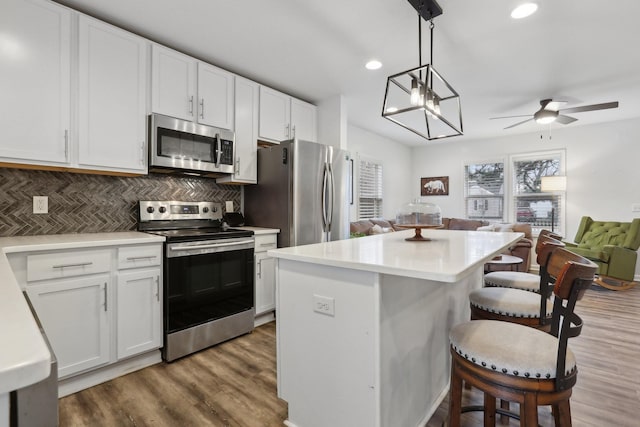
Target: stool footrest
[{"x": 480, "y": 408}]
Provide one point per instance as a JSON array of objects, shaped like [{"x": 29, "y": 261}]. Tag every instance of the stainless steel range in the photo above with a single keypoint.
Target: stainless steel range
[{"x": 208, "y": 275}]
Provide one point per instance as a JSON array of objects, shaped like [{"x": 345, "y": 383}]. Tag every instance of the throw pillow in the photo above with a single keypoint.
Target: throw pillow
[
  {"x": 490, "y": 227},
  {"x": 504, "y": 227}
]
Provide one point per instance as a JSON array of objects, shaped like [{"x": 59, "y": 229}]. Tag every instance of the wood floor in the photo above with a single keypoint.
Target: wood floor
[{"x": 234, "y": 384}]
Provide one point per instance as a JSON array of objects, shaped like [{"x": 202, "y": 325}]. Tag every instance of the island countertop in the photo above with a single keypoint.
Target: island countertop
[{"x": 448, "y": 257}]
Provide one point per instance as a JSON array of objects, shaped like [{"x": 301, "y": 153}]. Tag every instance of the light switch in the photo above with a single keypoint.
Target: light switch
[
  {"x": 228, "y": 206},
  {"x": 40, "y": 204}
]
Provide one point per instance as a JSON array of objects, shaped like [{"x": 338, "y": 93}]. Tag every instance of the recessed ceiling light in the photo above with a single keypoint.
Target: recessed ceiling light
[
  {"x": 392, "y": 109},
  {"x": 524, "y": 10},
  {"x": 373, "y": 64}
]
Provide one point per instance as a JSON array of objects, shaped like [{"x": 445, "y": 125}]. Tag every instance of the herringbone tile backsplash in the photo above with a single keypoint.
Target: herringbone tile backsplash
[{"x": 80, "y": 203}]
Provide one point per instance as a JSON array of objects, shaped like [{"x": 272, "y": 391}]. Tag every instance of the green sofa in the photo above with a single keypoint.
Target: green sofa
[{"x": 611, "y": 245}]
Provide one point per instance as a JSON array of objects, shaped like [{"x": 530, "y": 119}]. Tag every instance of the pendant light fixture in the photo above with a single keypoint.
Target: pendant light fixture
[{"x": 420, "y": 99}]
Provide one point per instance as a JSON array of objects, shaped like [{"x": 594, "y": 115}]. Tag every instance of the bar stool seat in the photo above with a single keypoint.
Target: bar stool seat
[
  {"x": 510, "y": 349},
  {"x": 508, "y": 302},
  {"x": 513, "y": 279}
]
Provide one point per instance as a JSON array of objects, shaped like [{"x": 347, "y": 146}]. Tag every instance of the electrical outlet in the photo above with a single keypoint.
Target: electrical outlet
[
  {"x": 324, "y": 305},
  {"x": 635, "y": 207},
  {"x": 228, "y": 206},
  {"x": 40, "y": 204}
]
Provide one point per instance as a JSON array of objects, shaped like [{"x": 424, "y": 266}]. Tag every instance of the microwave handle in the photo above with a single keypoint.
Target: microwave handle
[{"x": 218, "y": 150}]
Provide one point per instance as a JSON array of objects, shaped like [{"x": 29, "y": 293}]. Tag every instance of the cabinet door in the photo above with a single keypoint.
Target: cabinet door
[
  {"x": 75, "y": 317},
  {"x": 112, "y": 96},
  {"x": 265, "y": 283},
  {"x": 173, "y": 83},
  {"x": 303, "y": 120},
  {"x": 35, "y": 83},
  {"x": 139, "y": 315},
  {"x": 275, "y": 112},
  {"x": 246, "y": 125},
  {"x": 215, "y": 96}
]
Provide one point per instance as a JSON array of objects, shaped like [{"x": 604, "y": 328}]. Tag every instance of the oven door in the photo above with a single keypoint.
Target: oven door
[{"x": 207, "y": 280}]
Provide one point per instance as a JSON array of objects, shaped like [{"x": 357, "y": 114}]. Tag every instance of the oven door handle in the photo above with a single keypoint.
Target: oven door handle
[{"x": 213, "y": 245}]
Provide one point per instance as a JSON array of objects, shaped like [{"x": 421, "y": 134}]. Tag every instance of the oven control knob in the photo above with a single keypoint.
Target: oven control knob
[
  {"x": 214, "y": 209},
  {"x": 150, "y": 209},
  {"x": 162, "y": 209},
  {"x": 205, "y": 209}
]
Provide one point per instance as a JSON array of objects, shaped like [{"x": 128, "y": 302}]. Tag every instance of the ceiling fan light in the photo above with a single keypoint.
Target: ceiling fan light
[
  {"x": 524, "y": 10},
  {"x": 544, "y": 117}
]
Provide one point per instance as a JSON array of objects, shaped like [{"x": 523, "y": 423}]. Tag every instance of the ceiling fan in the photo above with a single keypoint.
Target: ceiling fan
[{"x": 550, "y": 112}]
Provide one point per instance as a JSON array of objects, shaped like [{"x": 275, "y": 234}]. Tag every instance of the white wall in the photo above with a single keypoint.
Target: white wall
[
  {"x": 396, "y": 170},
  {"x": 602, "y": 168}
]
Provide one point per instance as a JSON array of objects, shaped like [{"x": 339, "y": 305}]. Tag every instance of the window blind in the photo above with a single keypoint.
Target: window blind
[
  {"x": 484, "y": 190},
  {"x": 369, "y": 190}
]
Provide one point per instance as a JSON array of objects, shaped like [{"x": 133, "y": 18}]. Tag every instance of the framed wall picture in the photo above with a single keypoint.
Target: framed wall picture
[{"x": 434, "y": 186}]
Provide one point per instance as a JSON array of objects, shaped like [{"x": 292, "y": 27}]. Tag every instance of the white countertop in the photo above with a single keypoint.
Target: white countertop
[
  {"x": 447, "y": 258},
  {"x": 24, "y": 358},
  {"x": 259, "y": 230}
]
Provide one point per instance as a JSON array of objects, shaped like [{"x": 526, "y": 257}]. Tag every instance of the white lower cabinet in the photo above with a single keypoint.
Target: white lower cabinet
[
  {"x": 75, "y": 316},
  {"x": 138, "y": 305},
  {"x": 98, "y": 305},
  {"x": 265, "y": 273}
]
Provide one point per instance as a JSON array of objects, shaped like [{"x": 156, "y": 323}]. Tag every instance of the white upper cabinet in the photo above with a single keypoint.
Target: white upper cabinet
[
  {"x": 215, "y": 96},
  {"x": 112, "y": 98},
  {"x": 283, "y": 117},
  {"x": 246, "y": 125},
  {"x": 173, "y": 83},
  {"x": 303, "y": 120},
  {"x": 35, "y": 81},
  {"x": 183, "y": 87}
]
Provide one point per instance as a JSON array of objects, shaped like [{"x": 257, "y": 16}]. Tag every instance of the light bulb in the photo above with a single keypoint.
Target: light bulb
[
  {"x": 415, "y": 92},
  {"x": 429, "y": 103}
]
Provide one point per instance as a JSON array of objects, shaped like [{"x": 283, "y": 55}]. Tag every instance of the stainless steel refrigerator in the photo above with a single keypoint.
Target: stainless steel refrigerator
[{"x": 303, "y": 189}]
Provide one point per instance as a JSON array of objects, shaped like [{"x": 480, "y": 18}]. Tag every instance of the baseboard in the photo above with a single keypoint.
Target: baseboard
[
  {"x": 79, "y": 382},
  {"x": 263, "y": 318}
]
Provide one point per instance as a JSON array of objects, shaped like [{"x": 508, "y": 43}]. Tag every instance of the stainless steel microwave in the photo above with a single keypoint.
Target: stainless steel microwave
[{"x": 181, "y": 146}]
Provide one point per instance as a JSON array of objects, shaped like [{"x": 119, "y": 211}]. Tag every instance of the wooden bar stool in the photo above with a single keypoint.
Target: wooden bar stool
[
  {"x": 521, "y": 364},
  {"x": 517, "y": 279},
  {"x": 519, "y": 305}
]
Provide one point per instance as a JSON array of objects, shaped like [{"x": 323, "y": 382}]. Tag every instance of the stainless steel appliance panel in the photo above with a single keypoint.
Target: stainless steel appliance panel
[{"x": 302, "y": 190}]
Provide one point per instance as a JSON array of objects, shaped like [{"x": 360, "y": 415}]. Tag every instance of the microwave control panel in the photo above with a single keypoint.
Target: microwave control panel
[{"x": 226, "y": 148}]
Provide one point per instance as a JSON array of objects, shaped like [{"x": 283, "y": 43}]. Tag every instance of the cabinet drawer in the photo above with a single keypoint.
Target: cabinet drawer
[
  {"x": 264, "y": 242},
  {"x": 67, "y": 264},
  {"x": 139, "y": 256}
]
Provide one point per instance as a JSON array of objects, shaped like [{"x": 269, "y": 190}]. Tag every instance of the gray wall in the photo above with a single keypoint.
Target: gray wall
[{"x": 80, "y": 203}]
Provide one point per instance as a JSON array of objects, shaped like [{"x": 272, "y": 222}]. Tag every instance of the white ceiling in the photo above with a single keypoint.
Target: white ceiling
[{"x": 581, "y": 51}]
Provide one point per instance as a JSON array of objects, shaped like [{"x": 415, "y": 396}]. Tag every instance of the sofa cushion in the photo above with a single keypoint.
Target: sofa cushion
[{"x": 464, "y": 224}]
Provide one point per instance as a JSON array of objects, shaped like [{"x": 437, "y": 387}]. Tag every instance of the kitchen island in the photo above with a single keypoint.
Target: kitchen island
[{"x": 362, "y": 329}]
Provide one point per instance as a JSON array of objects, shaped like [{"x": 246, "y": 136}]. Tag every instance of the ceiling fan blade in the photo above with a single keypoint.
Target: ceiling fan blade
[
  {"x": 565, "y": 120},
  {"x": 510, "y": 117},
  {"x": 593, "y": 107},
  {"x": 519, "y": 123}
]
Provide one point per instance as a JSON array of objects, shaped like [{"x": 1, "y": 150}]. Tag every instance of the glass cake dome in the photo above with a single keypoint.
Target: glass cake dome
[{"x": 419, "y": 214}]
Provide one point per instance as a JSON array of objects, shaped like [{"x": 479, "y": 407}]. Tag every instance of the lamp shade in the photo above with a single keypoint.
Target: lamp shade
[{"x": 553, "y": 183}]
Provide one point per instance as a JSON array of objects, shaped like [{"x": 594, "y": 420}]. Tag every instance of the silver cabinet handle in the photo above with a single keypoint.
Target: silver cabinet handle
[
  {"x": 267, "y": 244},
  {"x": 135, "y": 258},
  {"x": 142, "y": 156},
  {"x": 260, "y": 269},
  {"x": 286, "y": 131},
  {"x": 66, "y": 144},
  {"x": 158, "y": 288},
  {"x": 293, "y": 131},
  {"x": 237, "y": 167},
  {"x": 202, "y": 108},
  {"x": 82, "y": 264},
  {"x": 191, "y": 105},
  {"x": 105, "y": 296}
]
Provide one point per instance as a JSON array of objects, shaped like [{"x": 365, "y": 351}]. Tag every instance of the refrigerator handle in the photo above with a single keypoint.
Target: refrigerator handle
[
  {"x": 325, "y": 179},
  {"x": 331, "y": 191}
]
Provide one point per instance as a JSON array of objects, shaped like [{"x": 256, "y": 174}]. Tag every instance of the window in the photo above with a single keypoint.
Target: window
[
  {"x": 484, "y": 190},
  {"x": 530, "y": 204},
  {"x": 369, "y": 190}
]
